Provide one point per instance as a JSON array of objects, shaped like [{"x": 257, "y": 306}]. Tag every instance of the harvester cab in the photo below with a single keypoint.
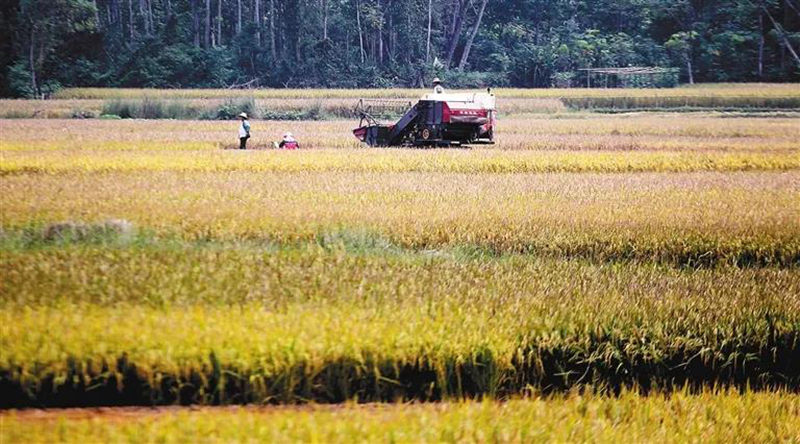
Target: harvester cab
[{"x": 435, "y": 120}]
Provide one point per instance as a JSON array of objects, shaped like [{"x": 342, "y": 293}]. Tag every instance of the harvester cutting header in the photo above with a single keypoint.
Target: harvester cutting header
[{"x": 437, "y": 119}]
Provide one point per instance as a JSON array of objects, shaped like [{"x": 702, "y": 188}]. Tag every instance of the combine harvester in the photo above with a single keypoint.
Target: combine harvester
[{"x": 437, "y": 120}]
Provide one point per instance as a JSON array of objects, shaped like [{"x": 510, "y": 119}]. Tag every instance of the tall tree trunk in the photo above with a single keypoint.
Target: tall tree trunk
[
  {"x": 130, "y": 19},
  {"x": 456, "y": 4},
  {"x": 324, "y": 19},
  {"x": 428, "y": 42},
  {"x": 196, "y": 21},
  {"x": 390, "y": 44},
  {"x": 31, "y": 60},
  {"x": 257, "y": 19},
  {"x": 360, "y": 33},
  {"x": 40, "y": 62},
  {"x": 144, "y": 17},
  {"x": 689, "y": 68},
  {"x": 150, "y": 16},
  {"x": 785, "y": 18},
  {"x": 297, "y": 47},
  {"x": 207, "y": 33},
  {"x": 272, "y": 45},
  {"x": 459, "y": 23},
  {"x": 219, "y": 22},
  {"x": 465, "y": 54},
  {"x": 238, "y": 17},
  {"x": 781, "y": 32},
  {"x": 760, "y": 44},
  {"x": 380, "y": 34}
]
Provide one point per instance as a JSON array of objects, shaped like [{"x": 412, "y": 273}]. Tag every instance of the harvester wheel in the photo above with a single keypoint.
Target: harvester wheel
[{"x": 426, "y": 134}]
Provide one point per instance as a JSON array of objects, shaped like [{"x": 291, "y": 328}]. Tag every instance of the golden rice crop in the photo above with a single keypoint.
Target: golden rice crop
[
  {"x": 587, "y": 130},
  {"x": 360, "y": 160},
  {"x": 710, "y": 417},
  {"x": 697, "y": 218},
  {"x": 226, "y": 323},
  {"x": 338, "y": 272},
  {"x": 526, "y": 145}
]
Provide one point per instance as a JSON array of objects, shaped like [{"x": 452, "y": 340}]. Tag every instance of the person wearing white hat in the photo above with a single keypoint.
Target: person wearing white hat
[
  {"x": 244, "y": 131},
  {"x": 437, "y": 86},
  {"x": 288, "y": 142}
]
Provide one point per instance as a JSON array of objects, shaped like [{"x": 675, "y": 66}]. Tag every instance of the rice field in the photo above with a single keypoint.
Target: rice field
[
  {"x": 709, "y": 417},
  {"x": 588, "y": 277},
  {"x": 332, "y": 104}
]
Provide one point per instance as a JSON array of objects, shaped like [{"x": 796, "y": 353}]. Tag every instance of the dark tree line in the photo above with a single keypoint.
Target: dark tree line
[{"x": 45, "y": 44}]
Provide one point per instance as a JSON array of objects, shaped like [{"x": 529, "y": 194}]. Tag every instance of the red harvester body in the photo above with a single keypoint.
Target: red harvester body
[{"x": 436, "y": 120}]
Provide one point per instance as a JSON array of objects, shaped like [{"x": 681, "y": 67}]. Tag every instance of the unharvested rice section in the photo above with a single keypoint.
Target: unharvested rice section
[{"x": 142, "y": 265}]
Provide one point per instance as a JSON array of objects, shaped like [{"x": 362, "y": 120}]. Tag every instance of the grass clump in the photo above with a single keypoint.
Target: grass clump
[
  {"x": 231, "y": 108},
  {"x": 148, "y": 108},
  {"x": 82, "y": 232}
]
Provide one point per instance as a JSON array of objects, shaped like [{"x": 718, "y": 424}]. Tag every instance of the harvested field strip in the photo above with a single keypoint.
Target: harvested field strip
[
  {"x": 702, "y": 127},
  {"x": 360, "y": 160},
  {"x": 712, "y": 416},
  {"x": 680, "y": 133},
  {"x": 516, "y": 142},
  {"x": 153, "y": 325},
  {"x": 689, "y": 219}
]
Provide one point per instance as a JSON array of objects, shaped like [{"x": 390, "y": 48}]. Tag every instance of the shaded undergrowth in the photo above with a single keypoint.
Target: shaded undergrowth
[{"x": 604, "y": 363}]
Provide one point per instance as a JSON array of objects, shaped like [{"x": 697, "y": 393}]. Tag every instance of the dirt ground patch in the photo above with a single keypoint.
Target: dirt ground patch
[{"x": 129, "y": 413}]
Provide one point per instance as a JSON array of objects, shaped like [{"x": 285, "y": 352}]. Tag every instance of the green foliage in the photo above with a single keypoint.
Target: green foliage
[
  {"x": 458, "y": 79},
  {"x": 19, "y": 81},
  {"x": 533, "y": 43},
  {"x": 149, "y": 108},
  {"x": 233, "y": 107},
  {"x": 43, "y": 26}
]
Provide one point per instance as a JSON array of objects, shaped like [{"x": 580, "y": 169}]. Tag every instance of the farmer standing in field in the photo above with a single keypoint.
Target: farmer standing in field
[
  {"x": 244, "y": 131},
  {"x": 437, "y": 86}
]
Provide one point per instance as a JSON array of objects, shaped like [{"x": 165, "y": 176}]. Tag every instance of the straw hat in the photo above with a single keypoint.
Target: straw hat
[{"x": 243, "y": 115}]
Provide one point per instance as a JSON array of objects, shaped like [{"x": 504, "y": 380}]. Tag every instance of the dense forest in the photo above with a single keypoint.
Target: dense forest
[{"x": 47, "y": 44}]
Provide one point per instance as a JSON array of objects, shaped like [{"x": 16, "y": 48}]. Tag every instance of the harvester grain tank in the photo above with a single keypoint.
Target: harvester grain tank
[{"x": 435, "y": 120}]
